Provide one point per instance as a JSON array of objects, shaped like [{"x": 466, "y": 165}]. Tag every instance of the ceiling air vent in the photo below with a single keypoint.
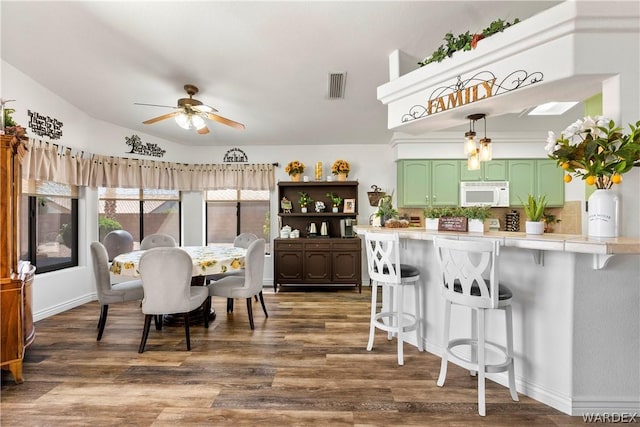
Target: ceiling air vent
[{"x": 336, "y": 85}]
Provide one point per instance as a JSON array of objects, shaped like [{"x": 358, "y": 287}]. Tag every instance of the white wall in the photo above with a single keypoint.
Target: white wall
[{"x": 61, "y": 290}]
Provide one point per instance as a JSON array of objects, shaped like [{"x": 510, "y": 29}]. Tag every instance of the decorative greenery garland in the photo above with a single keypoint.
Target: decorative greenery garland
[{"x": 465, "y": 41}]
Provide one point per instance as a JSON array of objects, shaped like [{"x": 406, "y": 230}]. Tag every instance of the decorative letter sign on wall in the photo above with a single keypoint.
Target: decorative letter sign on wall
[
  {"x": 44, "y": 125},
  {"x": 235, "y": 155},
  {"x": 481, "y": 86},
  {"x": 148, "y": 149}
]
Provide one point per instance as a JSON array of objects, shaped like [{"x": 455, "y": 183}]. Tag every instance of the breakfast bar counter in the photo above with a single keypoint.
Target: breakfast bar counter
[{"x": 576, "y": 313}]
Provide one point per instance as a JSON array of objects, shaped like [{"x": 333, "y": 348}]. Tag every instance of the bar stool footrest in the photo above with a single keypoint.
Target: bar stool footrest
[
  {"x": 473, "y": 366},
  {"x": 379, "y": 322}
]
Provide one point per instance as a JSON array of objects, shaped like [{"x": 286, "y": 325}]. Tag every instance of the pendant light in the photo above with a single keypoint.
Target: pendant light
[{"x": 474, "y": 153}]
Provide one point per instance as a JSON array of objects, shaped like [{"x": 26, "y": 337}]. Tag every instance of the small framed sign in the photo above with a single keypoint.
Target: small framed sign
[
  {"x": 452, "y": 223},
  {"x": 349, "y": 206}
]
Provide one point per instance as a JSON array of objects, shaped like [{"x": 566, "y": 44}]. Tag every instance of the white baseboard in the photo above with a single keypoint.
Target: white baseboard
[{"x": 67, "y": 305}]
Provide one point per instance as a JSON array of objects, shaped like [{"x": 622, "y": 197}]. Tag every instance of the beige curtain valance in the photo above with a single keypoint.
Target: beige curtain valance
[{"x": 50, "y": 162}]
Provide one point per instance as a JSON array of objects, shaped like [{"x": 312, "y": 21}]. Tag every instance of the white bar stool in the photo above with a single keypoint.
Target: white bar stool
[
  {"x": 383, "y": 261},
  {"x": 463, "y": 264}
]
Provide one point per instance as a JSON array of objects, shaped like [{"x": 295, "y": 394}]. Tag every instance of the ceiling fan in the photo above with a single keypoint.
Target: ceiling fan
[{"x": 190, "y": 113}]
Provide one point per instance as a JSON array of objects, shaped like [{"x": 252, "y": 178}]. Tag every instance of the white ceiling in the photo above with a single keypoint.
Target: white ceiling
[{"x": 264, "y": 64}]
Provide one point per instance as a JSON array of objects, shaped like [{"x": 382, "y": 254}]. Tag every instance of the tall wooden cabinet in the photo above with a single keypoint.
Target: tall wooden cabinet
[
  {"x": 17, "y": 331},
  {"x": 309, "y": 260}
]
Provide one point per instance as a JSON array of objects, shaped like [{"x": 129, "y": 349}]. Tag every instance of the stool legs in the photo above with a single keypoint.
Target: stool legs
[
  {"x": 512, "y": 375},
  {"x": 399, "y": 324},
  {"x": 372, "y": 322},
  {"x": 481, "y": 363},
  {"x": 445, "y": 348},
  {"x": 417, "y": 297}
]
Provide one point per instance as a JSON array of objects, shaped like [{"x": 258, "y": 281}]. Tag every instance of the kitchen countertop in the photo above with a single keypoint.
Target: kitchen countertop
[{"x": 549, "y": 241}]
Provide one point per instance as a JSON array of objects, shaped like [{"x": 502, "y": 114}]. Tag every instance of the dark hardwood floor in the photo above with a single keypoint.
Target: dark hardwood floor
[{"x": 305, "y": 365}]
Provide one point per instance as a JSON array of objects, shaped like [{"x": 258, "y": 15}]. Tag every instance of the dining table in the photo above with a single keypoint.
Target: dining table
[{"x": 207, "y": 260}]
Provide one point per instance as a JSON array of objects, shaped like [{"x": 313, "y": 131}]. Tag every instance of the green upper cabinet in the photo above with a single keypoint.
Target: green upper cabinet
[
  {"x": 549, "y": 181},
  {"x": 423, "y": 183},
  {"x": 535, "y": 177},
  {"x": 414, "y": 183},
  {"x": 494, "y": 170},
  {"x": 445, "y": 183},
  {"x": 522, "y": 174}
]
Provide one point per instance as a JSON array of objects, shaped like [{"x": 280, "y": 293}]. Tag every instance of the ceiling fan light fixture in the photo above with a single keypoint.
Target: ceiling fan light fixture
[
  {"x": 197, "y": 122},
  {"x": 183, "y": 121}
]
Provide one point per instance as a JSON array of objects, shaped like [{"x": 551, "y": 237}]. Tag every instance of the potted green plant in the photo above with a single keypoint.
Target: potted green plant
[
  {"x": 549, "y": 219},
  {"x": 534, "y": 210},
  {"x": 335, "y": 201},
  {"x": 477, "y": 216},
  {"x": 432, "y": 218},
  {"x": 304, "y": 201},
  {"x": 385, "y": 209}
]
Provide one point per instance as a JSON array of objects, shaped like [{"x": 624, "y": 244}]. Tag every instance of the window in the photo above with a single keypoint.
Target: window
[
  {"x": 231, "y": 212},
  {"x": 141, "y": 212},
  {"x": 49, "y": 225}
]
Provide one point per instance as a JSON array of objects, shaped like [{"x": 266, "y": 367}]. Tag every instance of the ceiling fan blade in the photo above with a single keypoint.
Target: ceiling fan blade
[
  {"x": 203, "y": 131},
  {"x": 155, "y": 105},
  {"x": 225, "y": 121},
  {"x": 159, "y": 118}
]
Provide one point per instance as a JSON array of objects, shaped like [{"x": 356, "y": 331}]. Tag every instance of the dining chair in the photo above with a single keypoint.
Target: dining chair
[
  {"x": 107, "y": 292},
  {"x": 470, "y": 278},
  {"x": 243, "y": 240},
  {"x": 166, "y": 279},
  {"x": 248, "y": 285},
  {"x": 158, "y": 241},
  {"x": 118, "y": 242}
]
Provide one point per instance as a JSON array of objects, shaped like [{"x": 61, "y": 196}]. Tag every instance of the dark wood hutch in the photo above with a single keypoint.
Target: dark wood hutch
[{"x": 317, "y": 260}]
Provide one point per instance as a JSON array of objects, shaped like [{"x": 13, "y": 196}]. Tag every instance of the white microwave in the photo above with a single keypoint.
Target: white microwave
[{"x": 484, "y": 193}]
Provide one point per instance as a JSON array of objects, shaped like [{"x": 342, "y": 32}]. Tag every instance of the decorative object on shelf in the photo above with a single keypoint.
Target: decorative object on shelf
[
  {"x": 595, "y": 149},
  {"x": 341, "y": 168},
  {"x": 295, "y": 169},
  {"x": 335, "y": 201},
  {"x": 476, "y": 154},
  {"x": 477, "y": 216},
  {"x": 7, "y": 120},
  {"x": 285, "y": 204},
  {"x": 396, "y": 223},
  {"x": 431, "y": 218},
  {"x": 452, "y": 219},
  {"x": 44, "y": 125},
  {"x": 375, "y": 195},
  {"x": 320, "y": 207},
  {"x": 138, "y": 147},
  {"x": 603, "y": 214},
  {"x": 512, "y": 221},
  {"x": 319, "y": 171},
  {"x": 549, "y": 219},
  {"x": 465, "y": 41},
  {"x": 534, "y": 210},
  {"x": 349, "y": 206},
  {"x": 385, "y": 209},
  {"x": 304, "y": 201}
]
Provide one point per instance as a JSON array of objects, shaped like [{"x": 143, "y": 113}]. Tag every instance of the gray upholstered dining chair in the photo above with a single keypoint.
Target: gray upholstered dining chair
[
  {"x": 243, "y": 240},
  {"x": 158, "y": 241},
  {"x": 110, "y": 293},
  {"x": 248, "y": 285},
  {"x": 166, "y": 279},
  {"x": 118, "y": 242}
]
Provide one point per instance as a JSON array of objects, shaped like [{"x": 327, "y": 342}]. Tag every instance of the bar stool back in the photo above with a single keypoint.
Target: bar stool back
[
  {"x": 464, "y": 266},
  {"x": 383, "y": 261}
]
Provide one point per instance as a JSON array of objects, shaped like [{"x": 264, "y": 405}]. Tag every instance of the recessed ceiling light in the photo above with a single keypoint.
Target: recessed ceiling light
[{"x": 552, "y": 108}]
